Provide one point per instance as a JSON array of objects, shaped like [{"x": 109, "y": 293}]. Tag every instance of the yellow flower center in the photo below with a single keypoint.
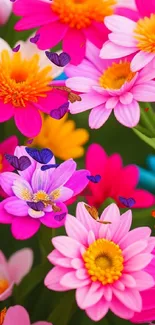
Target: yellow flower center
[
  {"x": 80, "y": 13},
  {"x": 22, "y": 80},
  {"x": 4, "y": 284},
  {"x": 40, "y": 196},
  {"x": 116, "y": 75},
  {"x": 104, "y": 261},
  {"x": 145, "y": 34},
  {"x": 1, "y": 164}
]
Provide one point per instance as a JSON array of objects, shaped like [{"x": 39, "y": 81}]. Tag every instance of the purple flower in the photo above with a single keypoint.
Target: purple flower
[{"x": 52, "y": 187}]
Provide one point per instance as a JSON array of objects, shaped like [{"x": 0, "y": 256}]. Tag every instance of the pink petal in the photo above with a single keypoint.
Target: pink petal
[
  {"x": 120, "y": 24},
  {"x": 67, "y": 246},
  {"x": 16, "y": 207},
  {"x": 40, "y": 178},
  {"x": 20, "y": 264},
  {"x": 24, "y": 116},
  {"x": 62, "y": 174},
  {"x": 98, "y": 116},
  {"x": 92, "y": 55},
  {"x": 6, "y": 181},
  {"x": 85, "y": 68},
  {"x": 15, "y": 314},
  {"x": 51, "y": 34},
  {"x": 130, "y": 298},
  {"x": 144, "y": 199},
  {"x": 89, "y": 295},
  {"x": 91, "y": 237},
  {"x": 127, "y": 12},
  {"x": 84, "y": 217},
  {"x": 98, "y": 311},
  {"x": 82, "y": 274},
  {"x": 58, "y": 259},
  {"x": 41, "y": 18},
  {"x": 78, "y": 181},
  {"x": 5, "y": 217},
  {"x": 41, "y": 323},
  {"x": 77, "y": 263},
  {"x": 144, "y": 92},
  {"x": 126, "y": 40},
  {"x": 137, "y": 262},
  {"x": 140, "y": 60},
  {"x": 52, "y": 279},
  {"x": 54, "y": 99},
  {"x": 128, "y": 115},
  {"x": 24, "y": 227},
  {"x": 123, "y": 226},
  {"x": 119, "y": 285},
  {"x": 111, "y": 102},
  {"x": 111, "y": 213},
  {"x": 50, "y": 220},
  {"x": 8, "y": 146},
  {"x": 70, "y": 281},
  {"x": 88, "y": 101},
  {"x": 118, "y": 308},
  {"x": 96, "y": 34},
  {"x": 144, "y": 280},
  {"x": 108, "y": 293},
  {"x": 134, "y": 249},
  {"x": 126, "y": 98},
  {"x": 128, "y": 280},
  {"x": 7, "y": 293},
  {"x": 80, "y": 84},
  {"x": 147, "y": 73},
  {"x": 145, "y": 8},
  {"x": 112, "y": 51},
  {"x": 28, "y": 7},
  {"x": 3, "y": 259},
  {"x": 134, "y": 235},
  {"x": 74, "y": 43},
  {"x": 75, "y": 229},
  {"x": 6, "y": 111}
]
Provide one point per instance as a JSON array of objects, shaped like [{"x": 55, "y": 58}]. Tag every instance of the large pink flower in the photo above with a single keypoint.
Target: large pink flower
[
  {"x": 116, "y": 180},
  {"x": 18, "y": 315},
  {"x": 25, "y": 87},
  {"x": 52, "y": 187},
  {"x": 106, "y": 264},
  {"x": 108, "y": 85},
  {"x": 128, "y": 36},
  {"x": 13, "y": 270},
  {"x": 70, "y": 21}
]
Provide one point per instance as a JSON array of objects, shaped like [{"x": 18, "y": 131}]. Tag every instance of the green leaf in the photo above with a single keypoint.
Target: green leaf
[
  {"x": 29, "y": 283},
  {"x": 64, "y": 309},
  {"x": 149, "y": 141}
]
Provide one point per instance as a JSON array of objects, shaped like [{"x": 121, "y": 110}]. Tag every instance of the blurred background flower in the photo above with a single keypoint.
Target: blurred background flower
[
  {"x": 62, "y": 137},
  {"x": 147, "y": 176},
  {"x": 5, "y": 11}
]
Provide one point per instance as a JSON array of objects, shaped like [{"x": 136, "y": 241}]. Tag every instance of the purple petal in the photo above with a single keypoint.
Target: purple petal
[
  {"x": 17, "y": 48},
  {"x": 78, "y": 181},
  {"x": 35, "y": 39}
]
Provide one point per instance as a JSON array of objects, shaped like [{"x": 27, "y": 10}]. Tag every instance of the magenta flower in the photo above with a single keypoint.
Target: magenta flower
[
  {"x": 116, "y": 180},
  {"x": 71, "y": 21},
  {"x": 128, "y": 36},
  {"x": 16, "y": 314},
  {"x": 14, "y": 270},
  {"x": 51, "y": 187},
  {"x": 108, "y": 85},
  {"x": 25, "y": 87},
  {"x": 106, "y": 264}
]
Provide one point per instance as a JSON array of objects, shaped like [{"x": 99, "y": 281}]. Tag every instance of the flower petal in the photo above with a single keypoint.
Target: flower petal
[
  {"x": 16, "y": 207},
  {"x": 24, "y": 227},
  {"x": 138, "y": 262},
  {"x": 72, "y": 42},
  {"x": 75, "y": 229},
  {"x": 144, "y": 280},
  {"x": 50, "y": 220},
  {"x": 23, "y": 118},
  {"x": 98, "y": 116},
  {"x": 144, "y": 92},
  {"x": 78, "y": 181},
  {"x": 89, "y": 295},
  {"x": 120, "y": 24},
  {"x": 67, "y": 246},
  {"x": 112, "y": 51},
  {"x": 128, "y": 115},
  {"x": 6, "y": 181},
  {"x": 55, "y": 29},
  {"x": 98, "y": 311},
  {"x": 15, "y": 314},
  {"x": 130, "y": 298},
  {"x": 6, "y": 111},
  {"x": 118, "y": 308},
  {"x": 70, "y": 281},
  {"x": 140, "y": 60},
  {"x": 52, "y": 279},
  {"x": 5, "y": 217},
  {"x": 80, "y": 84},
  {"x": 126, "y": 40},
  {"x": 88, "y": 101},
  {"x": 20, "y": 264}
]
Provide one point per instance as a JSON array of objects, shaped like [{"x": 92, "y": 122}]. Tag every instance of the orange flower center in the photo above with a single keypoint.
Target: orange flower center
[
  {"x": 80, "y": 13},
  {"x": 145, "y": 34},
  {"x": 1, "y": 164},
  {"x": 22, "y": 80},
  {"x": 116, "y": 75},
  {"x": 104, "y": 261},
  {"x": 4, "y": 284}
]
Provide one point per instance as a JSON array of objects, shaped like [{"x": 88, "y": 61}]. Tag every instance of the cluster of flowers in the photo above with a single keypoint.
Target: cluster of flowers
[{"x": 112, "y": 51}]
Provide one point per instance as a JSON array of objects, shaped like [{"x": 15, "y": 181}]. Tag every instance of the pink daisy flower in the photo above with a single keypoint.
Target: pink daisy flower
[
  {"x": 148, "y": 297},
  {"x": 52, "y": 187},
  {"x": 106, "y": 264},
  {"x": 13, "y": 271},
  {"x": 17, "y": 313},
  {"x": 68, "y": 20},
  {"x": 128, "y": 37},
  {"x": 108, "y": 85},
  {"x": 116, "y": 180},
  {"x": 25, "y": 87}
]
